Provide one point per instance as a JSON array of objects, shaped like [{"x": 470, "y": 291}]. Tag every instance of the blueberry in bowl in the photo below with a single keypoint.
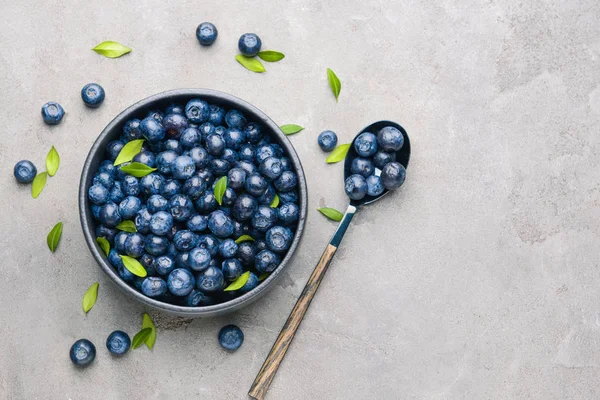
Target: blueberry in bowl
[{"x": 186, "y": 238}]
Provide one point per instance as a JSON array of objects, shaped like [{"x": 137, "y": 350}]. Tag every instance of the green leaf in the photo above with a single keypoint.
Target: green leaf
[
  {"x": 89, "y": 298},
  {"x": 220, "y": 188},
  {"x": 331, "y": 213},
  {"x": 111, "y": 49},
  {"x": 38, "y": 184},
  {"x": 338, "y": 154},
  {"x": 238, "y": 283},
  {"x": 54, "y": 237},
  {"x": 271, "y": 55},
  {"x": 103, "y": 244},
  {"x": 137, "y": 169},
  {"x": 275, "y": 202},
  {"x": 129, "y": 151},
  {"x": 244, "y": 238},
  {"x": 52, "y": 161},
  {"x": 140, "y": 338},
  {"x": 127, "y": 226},
  {"x": 263, "y": 276},
  {"x": 134, "y": 266},
  {"x": 334, "y": 82},
  {"x": 147, "y": 323},
  {"x": 250, "y": 63},
  {"x": 290, "y": 129}
]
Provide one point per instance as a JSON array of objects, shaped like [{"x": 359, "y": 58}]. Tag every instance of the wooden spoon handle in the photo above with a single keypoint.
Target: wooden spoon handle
[{"x": 267, "y": 372}]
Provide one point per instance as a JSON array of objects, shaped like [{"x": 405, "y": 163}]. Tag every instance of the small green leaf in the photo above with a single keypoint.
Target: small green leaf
[
  {"x": 137, "y": 169},
  {"x": 271, "y": 55},
  {"x": 334, "y": 82},
  {"x": 129, "y": 151},
  {"x": 238, "y": 283},
  {"x": 250, "y": 63},
  {"x": 127, "y": 226},
  {"x": 52, "y": 161},
  {"x": 147, "y": 323},
  {"x": 38, "y": 184},
  {"x": 275, "y": 202},
  {"x": 111, "y": 49},
  {"x": 263, "y": 276},
  {"x": 140, "y": 338},
  {"x": 54, "y": 237},
  {"x": 290, "y": 129},
  {"x": 338, "y": 154},
  {"x": 244, "y": 238},
  {"x": 89, "y": 298},
  {"x": 220, "y": 188},
  {"x": 104, "y": 245},
  {"x": 134, "y": 266},
  {"x": 331, "y": 213}
]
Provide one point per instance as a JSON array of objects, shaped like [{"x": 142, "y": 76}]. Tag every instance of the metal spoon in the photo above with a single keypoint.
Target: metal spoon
[{"x": 265, "y": 376}]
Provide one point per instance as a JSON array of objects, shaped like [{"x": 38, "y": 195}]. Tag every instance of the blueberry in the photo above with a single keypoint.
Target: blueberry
[
  {"x": 288, "y": 213},
  {"x": 210, "y": 280},
  {"x": 246, "y": 253},
  {"x": 152, "y": 129},
  {"x": 215, "y": 145},
  {"x": 116, "y": 193},
  {"x": 250, "y": 284},
  {"x": 131, "y": 130},
  {"x": 393, "y": 175},
  {"x": 156, "y": 245},
  {"x": 142, "y": 220},
  {"x": 197, "y": 223},
  {"x": 248, "y": 167},
  {"x": 113, "y": 148},
  {"x": 92, "y": 95},
  {"x": 118, "y": 343},
  {"x": 181, "y": 207},
  {"x": 185, "y": 240},
  {"x": 190, "y": 138},
  {"x": 264, "y": 152},
  {"x": 129, "y": 207},
  {"x": 264, "y": 218},
  {"x": 234, "y": 137},
  {"x": 175, "y": 109},
  {"x": 231, "y": 156},
  {"x": 82, "y": 353},
  {"x": 286, "y": 181},
  {"x": 108, "y": 233},
  {"x": 288, "y": 197},
  {"x": 232, "y": 269},
  {"x": 249, "y": 44},
  {"x": 109, "y": 215},
  {"x": 206, "y": 33},
  {"x": 197, "y": 298},
  {"x": 98, "y": 194},
  {"x": 95, "y": 211},
  {"x": 161, "y": 223},
  {"x": 148, "y": 262},
  {"x": 228, "y": 248},
  {"x": 216, "y": 115},
  {"x": 286, "y": 164},
  {"x": 183, "y": 167},
  {"x": 366, "y": 144},
  {"x": 154, "y": 286},
  {"x": 219, "y": 167},
  {"x": 52, "y": 113},
  {"x": 25, "y": 171},
  {"x": 210, "y": 243},
  {"x": 108, "y": 167},
  {"x": 174, "y": 146},
  {"x": 145, "y": 157},
  {"x": 130, "y": 185},
  {"x": 126, "y": 275},
  {"x": 197, "y": 111},
  {"x": 151, "y": 184},
  {"x": 355, "y": 187},
  {"x": 182, "y": 260},
  {"x": 236, "y": 179},
  {"x": 164, "y": 265},
  {"x": 180, "y": 282},
  {"x": 200, "y": 157},
  {"x": 279, "y": 238},
  {"x": 194, "y": 187},
  {"x": 206, "y": 203},
  {"x": 228, "y": 200},
  {"x": 247, "y": 153},
  {"x": 268, "y": 196},
  {"x": 156, "y": 115},
  {"x": 120, "y": 239},
  {"x": 390, "y": 139},
  {"x": 206, "y": 129},
  {"x": 256, "y": 185},
  {"x": 175, "y": 125},
  {"x": 244, "y": 207},
  {"x": 220, "y": 224},
  {"x": 374, "y": 185},
  {"x": 165, "y": 160},
  {"x": 134, "y": 245},
  {"x": 266, "y": 261},
  {"x": 199, "y": 259},
  {"x": 362, "y": 166},
  {"x": 327, "y": 140},
  {"x": 170, "y": 188},
  {"x": 271, "y": 168},
  {"x": 253, "y": 132}
]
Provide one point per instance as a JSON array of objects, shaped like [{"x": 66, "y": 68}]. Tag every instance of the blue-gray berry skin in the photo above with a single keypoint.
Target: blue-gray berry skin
[
  {"x": 236, "y": 179},
  {"x": 287, "y": 181},
  {"x": 185, "y": 240},
  {"x": 215, "y": 145},
  {"x": 197, "y": 111},
  {"x": 113, "y": 148},
  {"x": 228, "y": 248},
  {"x": 145, "y": 157},
  {"x": 362, "y": 166},
  {"x": 199, "y": 259},
  {"x": 183, "y": 167},
  {"x": 190, "y": 138},
  {"x": 156, "y": 115},
  {"x": 216, "y": 115},
  {"x": 232, "y": 269},
  {"x": 250, "y": 284},
  {"x": 327, "y": 140},
  {"x": 266, "y": 261},
  {"x": 197, "y": 223},
  {"x": 131, "y": 130},
  {"x": 390, "y": 139},
  {"x": 180, "y": 282},
  {"x": 25, "y": 171},
  {"x": 200, "y": 157},
  {"x": 253, "y": 132},
  {"x": 210, "y": 280},
  {"x": 103, "y": 178},
  {"x": 206, "y": 33},
  {"x": 393, "y": 175},
  {"x": 381, "y": 158},
  {"x": 234, "y": 137},
  {"x": 52, "y": 113},
  {"x": 108, "y": 233},
  {"x": 173, "y": 145},
  {"x": 279, "y": 238},
  {"x": 164, "y": 265},
  {"x": 206, "y": 203},
  {"x": 142, "y": 220},
  {"x": 249, "y": 44},
  {"x": 120, "y": 239},
  {"x": 98, "y": 194},
  {"x": 247, "y": 166},
  {"x": 156, "y": 203},
  {"x": 130, "y": 185},
  {"x": 256, "y": 184},
  {"x": 374, "y": 185},
  {"x": 116, "y": 193},
  {"x": 109, "y": 215},
  {"x": 134, "y": 245},
  {"x": 129, "y": 207},
  {"x": 156, "y": 245},
  {"x": 209, "y": 242},
  {"x": 286, "y": 164},
  {"x": 148, "y": 262},
  {"x": 92, "y": 95},
  {"x": 244, "y": 207},
  {"x": 154, "y": 286},
  {"x": 151, "y": 184},
  {"x": 161, "y": 223},
  {"x": 197, "y": 299},
  {"x": 264, "y": 218},
  {"x": 82, "y": 353},
  {"x": 271, "y": 168},
  {"x": 175, "y": 109},
  {"x": 246, "y": 253},
  {"x": 355, "y": 187},
  {"x": 206, "y": 129},
  {"x": 220, "y": 224},
  {"x": 181, "y": 207},
  {"x": 194, "y": 187},
  {"x": 108, "y": 167},
  {"x": 170, "y": 188},
  {"x": 219, "y": 166},
  {"x": 175, "y": 125},
  {"x": 267, "y": 197},
  {"x": 288, "y": 197},
  {"x": 152, "y": 130},
  {"x": 288, "y": 213},
  {"x": 118, "y": 343},
  {"x": 165, "y": 160},
  {"x": 365, "y": 144},
  {"x": 231, "y": 156}
]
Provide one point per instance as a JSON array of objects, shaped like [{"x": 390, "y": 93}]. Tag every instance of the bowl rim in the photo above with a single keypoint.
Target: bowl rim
[{"x": 88, "y": 225}]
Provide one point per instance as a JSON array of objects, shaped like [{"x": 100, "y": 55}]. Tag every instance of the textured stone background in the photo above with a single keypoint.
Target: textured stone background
[{"x": 478, "y": 280}]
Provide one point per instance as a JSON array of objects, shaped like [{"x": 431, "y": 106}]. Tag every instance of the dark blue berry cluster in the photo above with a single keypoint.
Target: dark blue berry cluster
[{"x": 186, "y": 232}]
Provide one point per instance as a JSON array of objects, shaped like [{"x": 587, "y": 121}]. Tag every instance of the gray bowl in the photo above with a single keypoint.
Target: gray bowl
[{"x": 139, "y": 110}]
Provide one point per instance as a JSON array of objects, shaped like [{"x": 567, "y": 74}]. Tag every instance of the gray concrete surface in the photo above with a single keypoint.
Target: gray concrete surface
[{"x": 478, "y": 280}]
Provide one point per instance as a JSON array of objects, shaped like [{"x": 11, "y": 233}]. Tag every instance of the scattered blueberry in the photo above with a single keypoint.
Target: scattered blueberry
[
  {"x": 206, "y": 33},
  {"x": 52, "y": 113},
  {"x": 327, "y": 140},
  {"x": 25, "y": 171},
  {"x": 92, "y": 95},
  {"x": 231, "y": 337},
  {"x": 83, "y": 353},
  {"x": 118, "y": 343},
  {"x": 393, "y": 175},
  {"x": 154, "y": 287},
  {"x": 180, "y": 282},
  {"x": 249, "y": 44}
]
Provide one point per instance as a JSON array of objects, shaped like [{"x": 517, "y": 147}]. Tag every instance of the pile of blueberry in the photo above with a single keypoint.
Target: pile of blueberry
[{"x": 191, "y": 246}]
